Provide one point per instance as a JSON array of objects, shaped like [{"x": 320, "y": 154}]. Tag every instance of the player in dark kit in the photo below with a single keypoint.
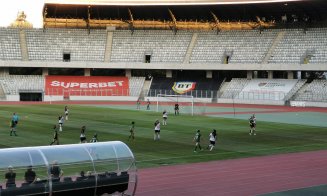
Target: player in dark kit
[
  {"x": 176, "y": 108},
  {"x": 55, "y": 135},
  {"x": 197, "y": 140},
  {"x": 30, "y": 175},
  {"x": 11, "y": 177},
  {"x": 13, "y": 128},
  {"x": 132, "y": 131},
  {"x": 148, "y": 104},
  {"x": 252, "y": 123}
]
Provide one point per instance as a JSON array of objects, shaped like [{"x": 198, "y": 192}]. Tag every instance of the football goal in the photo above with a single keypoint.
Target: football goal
[{"x": 167, "y": 102}]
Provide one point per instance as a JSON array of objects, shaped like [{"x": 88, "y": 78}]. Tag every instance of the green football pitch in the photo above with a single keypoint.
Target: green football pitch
[{"x": 176, "y": 145}]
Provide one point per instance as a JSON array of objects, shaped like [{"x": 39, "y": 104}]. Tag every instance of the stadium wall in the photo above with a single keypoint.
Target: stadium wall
[
  {"x": 254, "y": 101},
  {"x": 167, "y": 66},
  {"x": 180, "y": 99},
  {"x": 12, "y": 98},
  {"x": 88, "y": 98},
  {"x": 308, "y": 104}
]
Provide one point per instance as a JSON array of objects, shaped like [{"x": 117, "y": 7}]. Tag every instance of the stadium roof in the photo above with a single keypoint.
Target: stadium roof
[
  {"x": 131, "y": 13},
  {"x": 162, "y": 2}
]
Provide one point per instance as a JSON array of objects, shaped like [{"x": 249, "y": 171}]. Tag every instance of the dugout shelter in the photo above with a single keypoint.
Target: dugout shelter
[{"x": 84, "y": 169}]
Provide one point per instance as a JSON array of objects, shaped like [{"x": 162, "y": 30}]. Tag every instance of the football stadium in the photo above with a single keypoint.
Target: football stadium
[{"x": 165, "y": 98}]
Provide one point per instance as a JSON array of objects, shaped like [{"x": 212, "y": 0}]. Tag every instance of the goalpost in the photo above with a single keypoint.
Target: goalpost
[{"x": 167, "y": 102}]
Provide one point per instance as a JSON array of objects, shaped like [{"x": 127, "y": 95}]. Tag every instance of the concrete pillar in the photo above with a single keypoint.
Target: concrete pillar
[
  {"x": 270, "y": 74},
  {"x": 208, "y": 74},
  {"x": 87, "y": 72},
  {"x": 249, "y": 75},
  {"x": 290, "y": 75},
  {"x": 128, "y": 73},
  {"x": 169, "y": 73},
  {"x": 299, "y": 75},
  {"x": 45, "y": 71}
]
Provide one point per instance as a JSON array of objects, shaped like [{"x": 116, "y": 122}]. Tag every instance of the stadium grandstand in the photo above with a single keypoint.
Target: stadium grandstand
[{"x": 263, "y": 52}]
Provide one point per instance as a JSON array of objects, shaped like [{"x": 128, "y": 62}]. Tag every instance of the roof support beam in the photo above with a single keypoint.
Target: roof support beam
[
  {"x": 261, "y": 23},
  {"x": 88, "y": 18},
  {"x": 131, "y": 21},
  {"x": 45, "y": 13},
  {"x": 217, "y": 23},
  {"x": 174, "y": 27}
]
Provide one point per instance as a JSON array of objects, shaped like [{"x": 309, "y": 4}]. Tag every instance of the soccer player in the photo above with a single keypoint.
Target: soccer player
[
  {"x": 82, "y": 137},
  {"x": 164, "y": 117},
  {"x": 138, "y": 103},
  {"x": 15, "y": 117},
  {"x": 176, "y": 108},
  {"x": 94, "y": 138},
  {"x": 12, "y": 128},
  {"x": 60, "y": 122},
  {"x": 55, "y": 135},
  {"x": 252, "y": 122},
  {"x": 197, "y": 140},
  {"x": 13, "y": 124},
  {"x": 66, "y": 112},
  {"x": 132, "y": 131},
  {"x": 212, "y": 139},
  {"x": 156, "y": 130},
  {"x": 148, "y": 104}
]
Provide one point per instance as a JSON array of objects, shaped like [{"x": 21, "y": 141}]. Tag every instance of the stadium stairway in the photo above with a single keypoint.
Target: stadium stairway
[
  {"x": 145, "y": 89},
  {"x": 190, "y": 48},
  {"x": 23, "y": 45},
  {"x": 2, "y": 93},
  {"x": 107, "y": 53},
  {"x": 275, "y": 43}
]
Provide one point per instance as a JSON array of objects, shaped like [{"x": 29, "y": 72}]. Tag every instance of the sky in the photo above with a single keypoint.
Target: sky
[{"x": 32, "y": 9}]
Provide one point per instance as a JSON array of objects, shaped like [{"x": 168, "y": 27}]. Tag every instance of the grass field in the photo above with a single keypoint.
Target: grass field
[{"x": 176, "y": 144}]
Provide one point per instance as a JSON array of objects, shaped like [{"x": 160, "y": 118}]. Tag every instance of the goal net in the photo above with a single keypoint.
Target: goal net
[{"x": 167, "y": 102}]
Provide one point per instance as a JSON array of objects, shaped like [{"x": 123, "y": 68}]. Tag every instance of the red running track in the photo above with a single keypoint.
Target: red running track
[{"x": 237, "y": 177}]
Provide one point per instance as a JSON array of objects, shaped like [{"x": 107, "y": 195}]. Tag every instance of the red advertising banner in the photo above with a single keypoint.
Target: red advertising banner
[{"x": 86, "y": 86}]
